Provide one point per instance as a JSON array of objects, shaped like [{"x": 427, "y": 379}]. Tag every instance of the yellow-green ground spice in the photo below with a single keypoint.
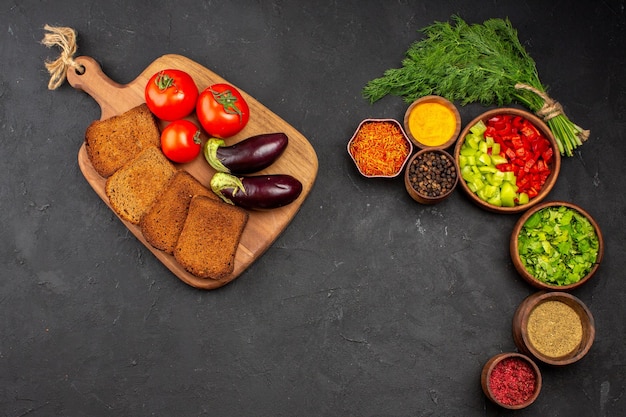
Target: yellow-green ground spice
[{"x": 554, "y": 328}]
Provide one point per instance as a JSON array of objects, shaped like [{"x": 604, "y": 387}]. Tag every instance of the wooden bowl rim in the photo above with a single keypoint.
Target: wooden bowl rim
[
  {"x": 420, "y": 198},
  {"x": 586, "y": 317},
  {"x": 407, "y": 140},
  {"x": 433, "y": 99},
  {"x": 491, "y": 364},
  {"x": 514, "y": 247},
  {"x": 556, "y": 163}
]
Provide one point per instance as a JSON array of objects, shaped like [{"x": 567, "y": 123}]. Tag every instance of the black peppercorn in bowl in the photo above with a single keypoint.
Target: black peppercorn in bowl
[{"x": 430, "y": 176}]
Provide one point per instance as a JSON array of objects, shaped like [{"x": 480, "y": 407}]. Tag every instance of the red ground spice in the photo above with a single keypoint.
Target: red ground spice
[{"x": 512, "y": 381}]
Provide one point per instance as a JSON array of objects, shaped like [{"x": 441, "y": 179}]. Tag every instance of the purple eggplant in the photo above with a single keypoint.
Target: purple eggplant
[
  {"x": 259, "y": 192},
  {"x": 245, "y": 157}
]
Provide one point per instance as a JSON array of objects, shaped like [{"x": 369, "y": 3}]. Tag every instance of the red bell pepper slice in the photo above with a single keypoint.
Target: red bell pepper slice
[
  {"x": 539, "y": 145},
  {"x": 528, "y": 132},
  {"x": 510, "y": 153},
  {"x": 529, "y": 153},
  {"x": 529, "y": 164},
  {"x": 532, "y": 128},
  {"x": 505, "y": 167},
  {"x": 541, "y": 166},
  {"x": 547, "y": 155},
  {"x": 517, "y": 142}
]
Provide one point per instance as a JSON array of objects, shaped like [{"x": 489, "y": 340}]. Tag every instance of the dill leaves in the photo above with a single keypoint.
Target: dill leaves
[{"x": 484, "y": 63}]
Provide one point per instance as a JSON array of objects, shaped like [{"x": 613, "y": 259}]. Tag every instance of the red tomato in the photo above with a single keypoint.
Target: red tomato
[
  {"x": 222, "y": 111},
  {"x": 171, "y": 94},
  {"x": 180, "y": 141}
]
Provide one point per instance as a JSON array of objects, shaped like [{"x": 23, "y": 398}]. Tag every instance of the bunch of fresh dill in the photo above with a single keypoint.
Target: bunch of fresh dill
[{"x": 483, "y": 63}]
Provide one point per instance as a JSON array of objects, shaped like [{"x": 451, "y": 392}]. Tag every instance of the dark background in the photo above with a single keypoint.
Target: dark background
[{"x": 369, "y": 304}]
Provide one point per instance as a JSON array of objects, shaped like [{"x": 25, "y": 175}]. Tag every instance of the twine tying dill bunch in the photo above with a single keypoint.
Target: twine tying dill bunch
[
  {"x": 551, "y": 108},
  {"x": 65, "y": 38},
  {"x": 568, "y": 135}
]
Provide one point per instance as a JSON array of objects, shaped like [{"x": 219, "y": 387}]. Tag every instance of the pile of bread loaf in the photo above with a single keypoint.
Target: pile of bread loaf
[{"x": 174, "y": 211}]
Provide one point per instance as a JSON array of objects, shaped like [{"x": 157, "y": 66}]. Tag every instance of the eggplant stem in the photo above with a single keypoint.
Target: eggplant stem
[
  {"x": 210, "y": 154},
  {"x": 223, "y": 180}
]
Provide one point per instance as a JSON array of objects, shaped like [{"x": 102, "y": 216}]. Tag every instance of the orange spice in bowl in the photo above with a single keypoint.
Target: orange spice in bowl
[
  {"x": 380, "y": 148},
  {"x": 432, "y": 122}
]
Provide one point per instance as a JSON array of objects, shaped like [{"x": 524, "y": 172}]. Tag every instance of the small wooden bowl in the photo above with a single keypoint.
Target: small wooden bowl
[
  {"x": 404, "y": 137},
  {"x": 523, "y": 339},
  {"x": 555, "y": 166},
  {"x": 421, "y": 197},
  {"x": 445, "y": 142},
  {"x": 496, "y": 360},
  {"x": 519, "y": 266}
]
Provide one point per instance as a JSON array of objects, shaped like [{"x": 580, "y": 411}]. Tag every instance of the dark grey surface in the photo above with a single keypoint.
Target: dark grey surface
[{"x": 368, "y": 304}]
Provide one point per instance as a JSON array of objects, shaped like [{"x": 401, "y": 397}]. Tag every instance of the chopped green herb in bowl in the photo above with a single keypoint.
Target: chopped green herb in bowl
[{"x": 556, "y": 246}]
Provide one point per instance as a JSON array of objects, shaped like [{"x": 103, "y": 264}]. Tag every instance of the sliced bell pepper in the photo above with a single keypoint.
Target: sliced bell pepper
[
  {"x": 527, "y": 151},
  {"x": 506, "y": 160},
  {"x": 547, "y": 155}
]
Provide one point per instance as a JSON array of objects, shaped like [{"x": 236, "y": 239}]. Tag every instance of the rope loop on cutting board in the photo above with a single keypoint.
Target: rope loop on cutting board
[{"x": 64, "y": 38}]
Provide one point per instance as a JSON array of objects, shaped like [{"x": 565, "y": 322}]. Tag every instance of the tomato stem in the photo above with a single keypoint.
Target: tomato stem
[
  {"x": 228, "y": 102},
  {"x": 196, "y": 138},
  {"x": 164, "y": 81}
]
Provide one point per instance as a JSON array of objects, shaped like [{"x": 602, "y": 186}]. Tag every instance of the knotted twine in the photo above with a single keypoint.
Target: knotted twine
[
  {"x": 550, "y": 109},
  {"x": 65, "y": 38}
]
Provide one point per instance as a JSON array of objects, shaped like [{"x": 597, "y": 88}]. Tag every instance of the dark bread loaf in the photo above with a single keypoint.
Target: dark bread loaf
[
  {"x": 210, "y": 237},
  {"x": 113, "y": 142},
  {"x": 133, "y": 188},
  {"x": 162, "y": 223}
]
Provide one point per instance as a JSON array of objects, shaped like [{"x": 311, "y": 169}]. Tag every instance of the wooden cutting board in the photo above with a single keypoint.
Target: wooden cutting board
[{"x": 298, "y": 160}]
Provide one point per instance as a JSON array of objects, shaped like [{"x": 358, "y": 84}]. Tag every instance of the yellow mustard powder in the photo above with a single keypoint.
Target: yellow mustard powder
[{"x": 432, "y": 124}]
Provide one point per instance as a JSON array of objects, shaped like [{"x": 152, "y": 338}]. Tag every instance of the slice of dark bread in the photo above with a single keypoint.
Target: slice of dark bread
[
  {"x": 162, "y": 223},
  {"x": 112, "y": 142},
  {"x": 210, "y": 237},
  {"x": 133, "y": 188}
]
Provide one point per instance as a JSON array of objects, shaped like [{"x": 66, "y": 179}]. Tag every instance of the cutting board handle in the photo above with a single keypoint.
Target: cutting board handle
[{"x": 106, "y": 92}]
